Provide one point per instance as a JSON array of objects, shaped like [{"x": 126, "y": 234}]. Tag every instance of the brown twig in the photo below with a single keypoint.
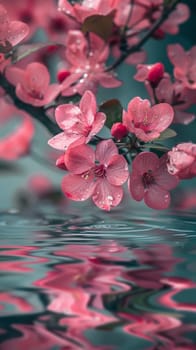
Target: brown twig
[
  {"x": 37, "y": 113},
  {"x": 166, "y": 11}
]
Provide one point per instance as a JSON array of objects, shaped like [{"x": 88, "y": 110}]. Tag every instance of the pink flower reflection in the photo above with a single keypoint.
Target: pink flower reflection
[
  {"x": 18, "y": 302},
  {"x": 36, "y": 337},
  {"x": 155, "y": 261},
  {"x": 177, "y": 285}
]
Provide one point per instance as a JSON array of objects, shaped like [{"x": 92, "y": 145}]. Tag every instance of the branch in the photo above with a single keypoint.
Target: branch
[
  {"x": 138, "y": 46},
  {"x": 37, "y": 113}
]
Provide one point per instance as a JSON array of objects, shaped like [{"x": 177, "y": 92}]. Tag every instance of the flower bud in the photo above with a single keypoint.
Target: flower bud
[
  {"x": 62, "y": 75},
  {"x": 119, "y": 131},
  {"x": 155, "y": 74}
]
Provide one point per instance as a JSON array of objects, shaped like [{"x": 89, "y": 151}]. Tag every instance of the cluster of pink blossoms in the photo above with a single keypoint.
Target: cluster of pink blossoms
[{"x": 82, "y": 36}]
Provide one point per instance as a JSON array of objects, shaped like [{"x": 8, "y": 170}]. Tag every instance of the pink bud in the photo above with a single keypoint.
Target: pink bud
[
  {"x": 158, "y": 34},
  {"x": 156, "y": 73},
  {"x": 62, "y": 75},
  {"x": 119, "y": 131}
]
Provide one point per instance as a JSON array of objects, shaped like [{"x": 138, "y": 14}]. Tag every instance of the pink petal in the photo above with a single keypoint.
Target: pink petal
[
  {"x": 67, "y": 115},
  {"x": 64, "y": 140},
  {"x": 97, "y": 125},
  {"x": 105, "y": 151},
  {"x": 17, "y": 144},
  {"x": 88, "y": 106},
  {"x": 177, "y": 56},
  {"x": 51, "y": 93},
  {"x": 137, "y": 109},
  {"x": 24, "y": 96},
  {"x": 66, "y": 7},
  {"x": 17, "y": 31},
  {"x": 106, "y": 195},
  {"x": 4, "y": 22},
  {"x": 161, "y": 117},
  {"x": 117, "y": 170},
  {"x": 14, "y": 75},
  {"x": 77, "y": 187},
  {"x": 183, "y": 117},
  {"x": 80, "y": 159},
  {"x": 157, "y": 198},
  {"x": 136, "y": 186},
  {"x": 144, "y": 162},
  {"x": 36, "y": 77},
  {"x": 108, "y": 81}
]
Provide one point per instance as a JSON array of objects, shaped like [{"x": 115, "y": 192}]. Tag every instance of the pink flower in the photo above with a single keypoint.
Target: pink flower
[
  {"x": 150, "y": 180},
  {"x": 18, "y": 142},
  {"x": 179, "y": 96},
  {"x": 182, "y": 160},
  {"x": 152, "y": 72},
  {"x": 147, "y": 122},
  {"x": 32, "y": 84},
  {"x": 11, "y": 32},
  {"x": 79, "y": 123},
  {"x": 98, "y": 173},
  {"x": 184, "y": 64},
  {"x": 87, "y": 64}
]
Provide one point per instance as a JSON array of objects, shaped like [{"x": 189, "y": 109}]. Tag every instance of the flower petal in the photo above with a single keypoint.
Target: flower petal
[
  {"x": 36, "y": 78},
  {"x": 105, "y": 150},
  {"x": 97, "y": 125},
  {"x": 157, "y": 198},
  {"x": 17, "y": 31},
  {"x": 136, "y": 187},
  {"x": 117, "y": 170},
  {"x": 67, "y": 115},
  {"x": 106, "y": 195},
  {"x": 88, "y": 106},
  {"x": 144, "y": 162},
  {"x": 77, "y": 187},
  {"x": 162, "y": 116},
  {"x": 80, "y": 159}
]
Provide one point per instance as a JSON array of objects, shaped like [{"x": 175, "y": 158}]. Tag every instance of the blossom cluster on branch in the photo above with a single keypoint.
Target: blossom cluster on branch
[{"x": 80, "y": 37}]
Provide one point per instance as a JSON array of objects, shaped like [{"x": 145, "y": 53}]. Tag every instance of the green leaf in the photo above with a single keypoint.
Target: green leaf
[
  {"x": 99, "y": 24},
  {"x": 155, "y": 146},
  {"x": 167, "y": 134},
  {"x": 113, "y": 110},
  {"x": 23, "y": 51}
]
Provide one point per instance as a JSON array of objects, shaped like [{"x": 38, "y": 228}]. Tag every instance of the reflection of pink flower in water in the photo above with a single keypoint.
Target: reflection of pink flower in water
[
  {"x": 177, "y": 285},
  {"x": 36, "y": 337}
]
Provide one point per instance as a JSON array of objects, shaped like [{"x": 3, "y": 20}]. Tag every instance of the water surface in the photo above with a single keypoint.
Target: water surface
[{"x": 83, "y": 279}]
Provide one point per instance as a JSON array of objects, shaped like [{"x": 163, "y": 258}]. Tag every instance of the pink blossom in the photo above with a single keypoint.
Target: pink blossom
[
  {"x": 177, "y": 95},
  {"x": 182, "y": 160},
  {"x": 32, "y": 84},
  {"x": 99, "y": 174},
  {"x": 18, "y": 142},
  {"x": 79, "y": 123},
  {"x": 152, "y": 72},
  {"x": 184, "y": 64},
  {"x": 150, "y": 180},
  {"x": 119, "y": 131},
  {"x": 11, "y": 32},
  {"x": 147, "y": 122},
  {"x": 154, "y": 9},
  {"x": 87, "y": 64}
]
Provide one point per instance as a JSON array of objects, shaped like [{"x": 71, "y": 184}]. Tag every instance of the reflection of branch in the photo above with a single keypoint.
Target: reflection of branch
[
  {"x": 166, "y": 11},
  {"x": 37, "y": 113}
]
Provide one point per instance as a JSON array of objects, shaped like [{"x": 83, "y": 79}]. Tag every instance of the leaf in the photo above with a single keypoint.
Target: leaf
[
  {"x": 167, "y": 134},
  {"x": 113, "y": 110},
  {"x": 99, "y": 24},
  {"x": 23, "y": 51},
  {"x": 155, "y": 146}
]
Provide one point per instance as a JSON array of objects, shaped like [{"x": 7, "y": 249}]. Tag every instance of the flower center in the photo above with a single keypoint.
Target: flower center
[
  {"x": 148, "y": 179},
  {"x": 36, "y": 94},
  {"x": 99, "y": 170}
]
